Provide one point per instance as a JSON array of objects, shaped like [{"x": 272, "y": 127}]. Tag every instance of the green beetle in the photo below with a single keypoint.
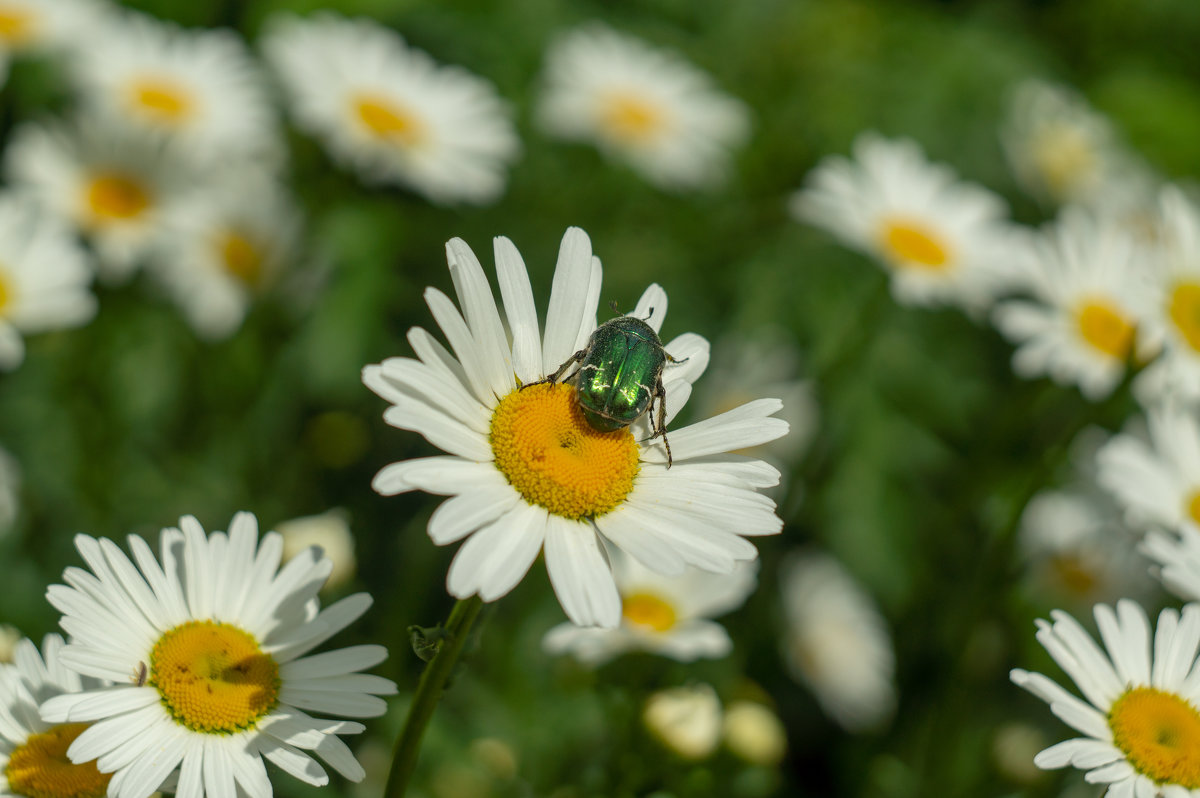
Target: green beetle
[{"x": 620, "y": 377}]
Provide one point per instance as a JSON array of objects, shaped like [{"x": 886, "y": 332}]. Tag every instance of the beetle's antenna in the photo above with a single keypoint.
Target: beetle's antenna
[
  {"x": 650, "y": 314},
  {"x": 612, "y": 303}
]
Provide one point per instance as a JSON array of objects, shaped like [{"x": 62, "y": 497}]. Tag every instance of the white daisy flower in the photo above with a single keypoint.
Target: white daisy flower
[
  {"x": 1090, "y": 297},
  {"x": 527, "y": 471},
  {"x": 646, "y": 107},
  {"x": 754, "y": 733},
  {"x": 1077, "y": 551},
  {"x": 1176, "y": 558},
  {"x": 1060, "y": 149},
  {"x": 686, "y": 719},
  {"x": 33, "y": 760},
  {"x": 37, "y": 26},
  {"x": 661, "y": 614},
  {"x": 836, "y": 642},
  {"x": 199, "y": 87},
  {"x": 44, "y": 280},
  {"x": 1156, "y": 477},
  {"x": 1176, "y": 301},
  {"x": 330, "y": 532},
  {"x": 390, "y": 111},
  {"x": 1139, "y": 720},
  {"x": 942, "y": 239},
  {"x": 10, "y": 636},
  {"x": 118, "y": 188},
  {"x": 228, "y": 245},
  {"x": 207, "y": 649}
]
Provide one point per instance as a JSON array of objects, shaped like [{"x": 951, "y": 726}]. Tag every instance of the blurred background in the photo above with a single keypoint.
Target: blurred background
[{"x": 915, "y": 449}]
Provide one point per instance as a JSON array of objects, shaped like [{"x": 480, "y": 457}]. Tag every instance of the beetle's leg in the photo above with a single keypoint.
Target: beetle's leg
[
  {"x": 553, "y": 378},
  {"x": 658, "y": 422},
  {"x": 675, "y": 359}
]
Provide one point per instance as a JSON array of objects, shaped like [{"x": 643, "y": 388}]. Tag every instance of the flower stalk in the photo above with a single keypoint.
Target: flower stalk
[{"x": 429, "y": 692}]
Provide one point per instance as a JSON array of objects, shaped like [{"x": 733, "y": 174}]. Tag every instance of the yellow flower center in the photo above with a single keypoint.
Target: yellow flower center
[
  {"x": 387, "y": 119},
  {"x": 1184, "y": 310},
  {"x": 17, "y": 25},
  {"x": 1104, "y": 328},
  {"x": 554, "y": 458},
  {"x": 241, "y": 257},
  {"x": 1075, "y": 576},
  {"x": 6, "y": 292},
  {"x": 1062, "y": 156},
  {"x": 112, "y": 196},
  {"x": 630, "y": 118},
  {"x": 163, "y": 100},
  {"x": 39, "y": 767},
  {"x": 913, "y": 244},
  {"x": 649, "y": 611},
  {"x": 1159, "y": 733},
  {"x": 213, "y": 677},
  {"x": 1193, "y": 506}
]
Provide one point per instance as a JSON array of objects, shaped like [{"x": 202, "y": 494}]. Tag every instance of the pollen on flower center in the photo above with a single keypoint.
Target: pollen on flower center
[
  {"x": 1103, "y": 327},
  {"x": 240, "y": 257},
  {"x": 1184, "y": 309},
  {"x": 1159, "y": 733},
  {"x": 554, "y": 458},
  {"x": 385, "y": 119},
  {"x": 164, "y": 100},
  {"x": 648, "y": 610},
  {"x": 1062, "y": 155},
  {"x": 115, "y": 196},
  {"x": 39, "y": 767},
  {"x": 213, "y": 677},
  {"x": 631, "y": 118},
  {"x": 912, "y": 244}
]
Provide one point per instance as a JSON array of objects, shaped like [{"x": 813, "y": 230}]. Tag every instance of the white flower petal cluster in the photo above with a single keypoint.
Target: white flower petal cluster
[
  {"x": 641, "y": 105},
  {"x": 389, "y": 111}
]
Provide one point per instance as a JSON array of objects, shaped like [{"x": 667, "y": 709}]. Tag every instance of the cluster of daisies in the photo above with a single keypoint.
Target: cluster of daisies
[
  {"x": 1106, "y": 293},
  {"x": 170, "y": 158},
  {"x": 186, "y": 670}
]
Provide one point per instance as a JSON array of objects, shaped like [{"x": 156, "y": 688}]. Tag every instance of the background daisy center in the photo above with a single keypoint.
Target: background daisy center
[
  {"x": 1063, "y": 155},
  {"x": 113, "y": 196},
  {"x": 17, "y": 25},
  {"x": 632, "y": 118},
  {"x": 240, "y": 256},
  {"x": 213, "y": 677},
  {"x": 39, "y": 767},
  {"x": 161, "y": 98},
  {"x": 1184, "y": 310},
  {"x": 648, "y": 610},
  {"x": 387, "y": 119},
  {"x": 1104, "y": 328},
  {"x": 554, "y": 458},
  {"x": 909, "y": 243},
  {"x": 1160, "y": 734}
]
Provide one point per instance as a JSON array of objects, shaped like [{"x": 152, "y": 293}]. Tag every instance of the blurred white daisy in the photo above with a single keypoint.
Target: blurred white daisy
[
  {"x": 1077, "y": 551},
  {"x": 1176, "y": 301},
  {"x": 1176, "y": 558},
  {"x": 33, "y": 761},
  {"x": 44, "y": 26},
  {"x": 686, "y": 719},
  {"x": 526, "y": 469},
  {"x": 1156, "y": 477},
  {"x": 1091, "y": 291},
  {"x": 836, "y": 642},
  {"x": 390, "y": 111},
  {"x": 1060, "y": 149},
  {"x": 666, "y": 615},
  {"x": 646, "y": 107},
  {"x": 207, "y": 650},
  {"x": 199, "y": 87},
  {"x": 9, "y": 637},
  {"x": 1139, "y": 724},
  {"x": 330, "y": 532},
  {"x": 117, "y": 188},
  {"x": 44, "y": 284},
  {"x": 225, "y": 247},
  {"x": 943, "y": 240}
]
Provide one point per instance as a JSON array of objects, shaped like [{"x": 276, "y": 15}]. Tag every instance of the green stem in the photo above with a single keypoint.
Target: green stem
[{"x": 429, "y": 692}]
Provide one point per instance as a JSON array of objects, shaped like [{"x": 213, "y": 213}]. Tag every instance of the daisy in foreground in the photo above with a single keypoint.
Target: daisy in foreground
[
  {"x": 942, "y": 239},
  {"x": 391, "y": 112},
  {"x": 33, "y": 762},
  {"x": 1140, "y": 723},
  {"x": 647, "y": 107},
  {"x": 526, "y": 470},
  {"x": 207, "y": 651}
]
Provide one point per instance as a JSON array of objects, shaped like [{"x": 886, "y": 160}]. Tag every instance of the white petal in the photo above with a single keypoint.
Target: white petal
[
  {"x": 497, "y": 557},
  {"x": 294, "y": 762},
  {"x": 581, "y": 575},
  {"x": 441, "y": 475},
  {"x": 520, "y": 310},
  {"x": 459, "y": 516},
  {"x": 568, "y": 298}
]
